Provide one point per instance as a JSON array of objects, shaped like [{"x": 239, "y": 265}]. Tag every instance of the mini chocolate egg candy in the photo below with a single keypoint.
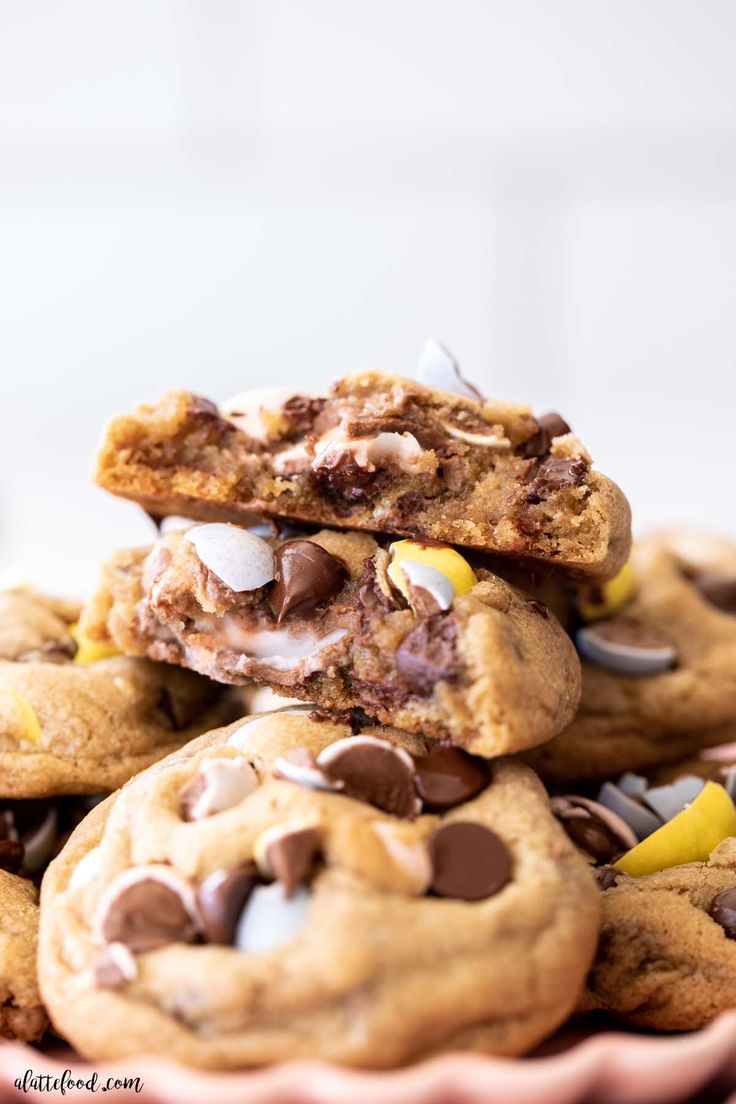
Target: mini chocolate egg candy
[
  {"x": 241, "y": 560},
  {"x": 625, "y": 648}
]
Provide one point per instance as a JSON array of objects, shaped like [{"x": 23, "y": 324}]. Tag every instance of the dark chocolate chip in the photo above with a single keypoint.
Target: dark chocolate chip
[
  {"x": 540, "y": 607},
  {"x": 723, "y": 911},
  {"x": 291, "y": 857},
  {"x": 428, "y": 654},
  {"x": 448, "y": 776},
  {"x": 11, "y": 855},
  {"x": 306, "y": 575},
  {"x": 469, "y": 862},
  {"x": 548, "y": 426},
  {"x": 373, "y": 771},
  {"x": 718, "y": 589},
  {"x": 146, "y": 914},
  {"x": 221, "y": 898},
  {"x": 555, "y": 474}
]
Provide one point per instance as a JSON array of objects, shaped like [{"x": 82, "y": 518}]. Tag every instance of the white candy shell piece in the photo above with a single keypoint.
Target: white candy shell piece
[
  {"x": 667, "y": 801},
  {"x": 238, "y": 557},
  {"x": 221, "y": 784},
  {"x": 623, "y": 659},
  {"x": 632, "y": 784},
  {"x": 437, "y": 368},
  {"x": 437, "y": 585},
  {"x": 641, "y": 821},
  {"x": 311, "y": 777},
  {"x": 257, "y": 412},
  {"x": 270, "y": 918}
]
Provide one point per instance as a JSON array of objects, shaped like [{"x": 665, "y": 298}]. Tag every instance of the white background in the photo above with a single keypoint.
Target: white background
[{"x": 220, "y": 194}]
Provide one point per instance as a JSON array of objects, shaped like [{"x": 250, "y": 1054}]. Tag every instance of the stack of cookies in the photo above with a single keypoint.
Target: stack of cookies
[{"x": 482, "y": 799}]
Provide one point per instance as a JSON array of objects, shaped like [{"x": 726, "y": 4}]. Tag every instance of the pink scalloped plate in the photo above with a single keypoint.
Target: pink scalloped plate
[{"x": 605, "y": 1067}]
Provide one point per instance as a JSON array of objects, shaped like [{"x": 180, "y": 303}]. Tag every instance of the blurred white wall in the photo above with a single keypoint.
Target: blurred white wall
[{"x": 215, "y": 194}]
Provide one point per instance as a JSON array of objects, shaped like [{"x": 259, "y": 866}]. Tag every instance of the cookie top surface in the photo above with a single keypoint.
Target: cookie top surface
[
  {"x": 678, "y": 628},
  {"x": 314, "y": 912},
  {"x": 667, "y": 953},
  {"x": 22, "y": 1015},
  {"x": 380, "y": 453},
  {"x": 71, "y": 722},
  {"x": 411, "y": 632}
]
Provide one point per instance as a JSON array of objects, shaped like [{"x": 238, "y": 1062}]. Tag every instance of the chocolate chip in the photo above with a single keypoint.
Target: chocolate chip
[
  {"x": 11, "y": 855},
  {"x": 221, "y": 898},
  {"x": 448, "y": 776},
  {"x": 555, "y": 474},
  {"x": 718, "y": 589},
  {"x": 428, "y": 654},
  {"x": 305, "y": 575},
  {"x": 146, "y": 911},
  {"x": 291, "y": 856},
  {"x": 723, "y": 911},
  {"x": 374, "y": 771},
  {"x": 540, "y": 608},
  {"x": 548, "y": 426},
  {"x": 340, "y": 476},
  {"x": 469, "y": 862}
]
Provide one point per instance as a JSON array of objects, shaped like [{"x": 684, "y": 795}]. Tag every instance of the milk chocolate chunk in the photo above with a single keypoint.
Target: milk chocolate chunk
[
  {"x": 723, "y": 911},
  {"x": 148, "y": 908},
  {"x": 718, "y": 589},
  {"x": 221, "y": 898},
  {"x": 555, "y": 474},
  {"x": 448, "y": 776},
  {"x": 306, "y": 575},
  {"x": 428, "y": 654},
  {"x": 469, "y": 862},
  {"x": 291, "y": 856},
  {"x": 549, "y": 426},
  {"x": 374, "y": 771},
  {"x": 340, "y": 476}
]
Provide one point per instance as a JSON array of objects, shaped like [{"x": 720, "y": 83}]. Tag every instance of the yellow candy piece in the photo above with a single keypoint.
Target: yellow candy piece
[
  {"x": 21, "y": 714},
  {"x": 90, "y": 651},
  {"x": 613, "y": 595},
  {"x": 441, "y": 558},
  {"x": 688, "y": 837}
]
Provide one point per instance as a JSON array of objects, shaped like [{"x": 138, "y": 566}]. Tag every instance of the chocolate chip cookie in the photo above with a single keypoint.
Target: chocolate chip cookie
[
  {"x": 76, "y": 718},
  {"x": 22, "y": 1015},
  {"x": 298, "y": 885},
  {"x": 378, "y": 453},
  {"x": 410, "y": 633},
  {"x": 659, "y": 665},
  {"x": 667, "y": 952}
]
